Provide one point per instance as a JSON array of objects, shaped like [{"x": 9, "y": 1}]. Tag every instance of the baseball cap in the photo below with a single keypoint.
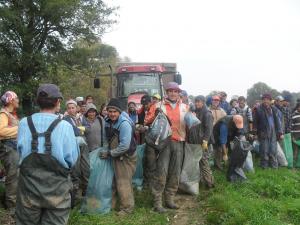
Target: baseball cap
[
  {"x": 50, "y": 91},
  {"x": 79, "y": 99}
]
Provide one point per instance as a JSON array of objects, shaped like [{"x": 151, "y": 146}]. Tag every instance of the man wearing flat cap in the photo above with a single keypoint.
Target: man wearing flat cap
[{"x": 268, "y": 127}]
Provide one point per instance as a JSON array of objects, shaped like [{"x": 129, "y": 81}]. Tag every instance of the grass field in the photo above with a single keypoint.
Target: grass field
[{"x": 269, "y": 197}]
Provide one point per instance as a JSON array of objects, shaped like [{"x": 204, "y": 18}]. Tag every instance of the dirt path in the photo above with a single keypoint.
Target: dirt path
[{"x": 188, "y": 213}]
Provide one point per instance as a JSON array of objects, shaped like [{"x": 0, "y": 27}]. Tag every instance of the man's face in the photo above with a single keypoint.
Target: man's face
[
  {"x": 285, "y": 103},
  {"x": 147, "y": 106},
  {"x": 104, "y": 112},
  {"x": 242, "y": 103},
  {"x": 234, "y": 104},
  {"x": 173, "y": 95},
  {"x": 155, "y": 100},
  {"x": 83, "y": 109},
  {"x": 91, "y": 114},
  {"x": 279, "y": 103},
  {"x": 131, "y": 107},
  {"x": 223, "y": 97},
  {"x": 89, "y": 100},
  {"x": 113, "y": 114},
  {"x": 199, "y": 104},
  {"x": 298, "y": 109},
  {"x": 215, "y": 103},
  {"x": 266, "y": 101},
  {"x": 72, "y": 109}
]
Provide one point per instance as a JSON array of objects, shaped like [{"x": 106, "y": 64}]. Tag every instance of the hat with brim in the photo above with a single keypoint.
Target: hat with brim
[
  {"x": 49, "y": 91},
  {"x": 172, "y": 86}
]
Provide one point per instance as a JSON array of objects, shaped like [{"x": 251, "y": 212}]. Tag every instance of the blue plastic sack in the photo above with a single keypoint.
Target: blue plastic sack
[
  {"x": 191, "y": 120},
  {"x": 99, "y": 191},
  {"x": 137, "y": 179}
]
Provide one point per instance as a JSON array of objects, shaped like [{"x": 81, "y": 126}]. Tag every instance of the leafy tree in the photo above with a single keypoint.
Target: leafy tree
[
  {"x": 258, "y": 89},
  {"x": 32, "y": 32},
  {"x": 76, "y": 69}
]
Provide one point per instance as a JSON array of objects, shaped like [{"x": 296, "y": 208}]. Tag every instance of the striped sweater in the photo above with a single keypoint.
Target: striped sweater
[{"x": 296, "y": 125}]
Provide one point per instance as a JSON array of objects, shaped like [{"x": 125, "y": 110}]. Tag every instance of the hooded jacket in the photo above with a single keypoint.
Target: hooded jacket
[{"x": 124, "y": 126}]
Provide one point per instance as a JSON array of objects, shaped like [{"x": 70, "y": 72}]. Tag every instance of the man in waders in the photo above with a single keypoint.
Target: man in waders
[
  {"x": 120, "y": 136},
  {"x": 8, "y": 146},
  {"x": 48, "y": 150},
  {"x": 169, "y": 160}
]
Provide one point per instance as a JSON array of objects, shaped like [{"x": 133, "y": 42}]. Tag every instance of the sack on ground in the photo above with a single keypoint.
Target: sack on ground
[
  {"x": 159, "y": 133},
  {"x": 190, "y": 176},
  {"x": 248, "y": 165},
  {"x": 280, "y": 156},
  {"x": 255, "y": 146},
  {"x": 191, "y": 120},
  {"x": 288, "y": 149},
  {"x": 238, "y": 157},
  {"x": 99, "y": 191},
  {"x": 137, "y": 178}
]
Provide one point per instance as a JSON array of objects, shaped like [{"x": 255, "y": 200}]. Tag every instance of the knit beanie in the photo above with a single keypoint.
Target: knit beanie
[{"x": 114, "y": 103}]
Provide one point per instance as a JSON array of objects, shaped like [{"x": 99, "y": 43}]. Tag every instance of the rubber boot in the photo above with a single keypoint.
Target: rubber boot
[
  {"x": 158, "y": 205},
  {"x": 170, "y": 203}
]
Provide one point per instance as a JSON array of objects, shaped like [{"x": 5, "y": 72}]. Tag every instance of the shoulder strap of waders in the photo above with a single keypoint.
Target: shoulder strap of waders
[
  {"x": 46, "y": 134},
  {"x": 101, "y": 127}
]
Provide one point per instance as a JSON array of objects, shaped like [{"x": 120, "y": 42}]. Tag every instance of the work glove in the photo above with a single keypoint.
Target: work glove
[
  {"x": 82, "y": 129},
  {"x": 104, "y": 155},
  {"x": 204, "y": 145}
]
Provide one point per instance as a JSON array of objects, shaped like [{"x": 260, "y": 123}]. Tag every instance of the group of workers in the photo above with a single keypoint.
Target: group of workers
[{"x": 46, "y": 155}]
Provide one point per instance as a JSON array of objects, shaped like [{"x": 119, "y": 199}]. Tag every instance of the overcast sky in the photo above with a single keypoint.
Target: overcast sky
[{"x": 217, "y": 44}]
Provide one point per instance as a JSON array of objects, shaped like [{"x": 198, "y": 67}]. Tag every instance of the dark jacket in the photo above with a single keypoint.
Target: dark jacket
[
  {"x": 261, "y": 123},
  {"x": 206, "y": 119}
]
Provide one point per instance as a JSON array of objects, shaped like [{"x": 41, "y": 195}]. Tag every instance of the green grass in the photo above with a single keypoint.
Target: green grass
[
  {"x": 143, "y": 214},
  {"x": 269, "y": 197}
]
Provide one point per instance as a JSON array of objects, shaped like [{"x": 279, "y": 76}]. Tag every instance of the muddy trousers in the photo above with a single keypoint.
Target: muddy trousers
[
  {"x": 218, "y": 156},
  {"x": 167, "y": 172},
  {"x": 124, "y": 168},
  {"x": 205, "y": 170},
  {"x": 268, "y": 152},
  {"x": 81, "y": 171},
  {"x": 9, "y": 158},
  {"x": 37, "y": 216},
  {"x": 149, "y": 164}
]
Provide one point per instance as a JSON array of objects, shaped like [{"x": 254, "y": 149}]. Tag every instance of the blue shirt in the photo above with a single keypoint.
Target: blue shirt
[
  {"x": 64, "y": 145},
  {"x": 223, "y": 134},
  {"x": 124, "y": 125}
]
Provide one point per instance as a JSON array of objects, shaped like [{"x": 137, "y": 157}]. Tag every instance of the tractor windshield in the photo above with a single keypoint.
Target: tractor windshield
[{"x": 138, "y": 82}]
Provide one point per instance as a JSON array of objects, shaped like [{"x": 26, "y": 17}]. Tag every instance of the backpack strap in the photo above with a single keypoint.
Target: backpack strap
[
  {"x": 34, "y": 134},
  {"x": 46, "y": 134}
]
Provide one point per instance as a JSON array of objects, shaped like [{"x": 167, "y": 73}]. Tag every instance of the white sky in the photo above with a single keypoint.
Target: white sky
[{"x": 217, "y": 44}]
